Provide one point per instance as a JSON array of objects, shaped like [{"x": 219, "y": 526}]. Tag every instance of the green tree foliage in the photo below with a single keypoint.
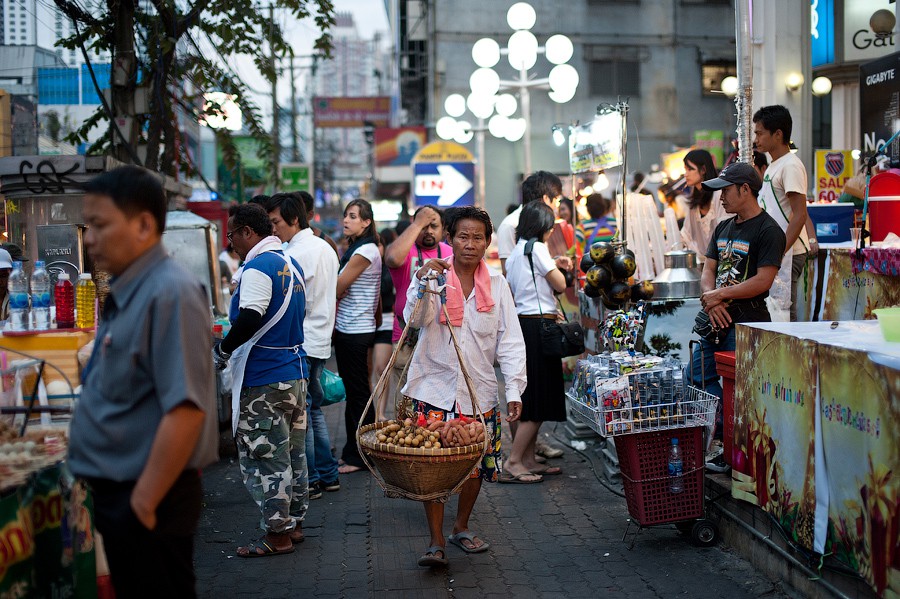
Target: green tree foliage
[{"x": 177, "y": 53}]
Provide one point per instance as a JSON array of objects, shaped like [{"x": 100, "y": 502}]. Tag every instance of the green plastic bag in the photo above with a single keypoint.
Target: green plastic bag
[{"x": 332, "y": 387}]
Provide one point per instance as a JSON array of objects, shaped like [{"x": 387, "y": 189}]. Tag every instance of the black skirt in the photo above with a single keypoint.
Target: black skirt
[{"x": 544, "y": 399}]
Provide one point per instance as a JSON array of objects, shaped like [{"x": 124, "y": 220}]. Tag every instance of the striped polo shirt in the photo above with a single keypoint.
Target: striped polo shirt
[{"x": 356, "y": 310}]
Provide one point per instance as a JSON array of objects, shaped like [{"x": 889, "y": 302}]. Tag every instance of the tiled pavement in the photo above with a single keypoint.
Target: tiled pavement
[{"x": 560, "y": 538}]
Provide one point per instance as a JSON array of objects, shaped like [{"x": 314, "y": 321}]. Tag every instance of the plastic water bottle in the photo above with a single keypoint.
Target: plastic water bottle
[
  {"x": 86, "y": 298},
  {"x": 19, "y": 319},
  {"x": 40, "y": 296},
  {"x": 64, "y": 293},
  {"x": 676, "y": 468}
]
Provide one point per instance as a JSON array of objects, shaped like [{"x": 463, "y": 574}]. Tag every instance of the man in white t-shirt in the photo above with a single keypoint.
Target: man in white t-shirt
[
  {"x": 320, "y": 265},
  {"x": 541, "y": 185},
  {"x": 783, "y": 197}
]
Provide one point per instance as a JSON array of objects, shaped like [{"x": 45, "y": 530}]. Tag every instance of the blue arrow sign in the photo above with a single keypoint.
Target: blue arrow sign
[{"x": 444, "y": 184}]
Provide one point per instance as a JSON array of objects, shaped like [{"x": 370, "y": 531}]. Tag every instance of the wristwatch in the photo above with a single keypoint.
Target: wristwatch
[{"x": 813, "y": 240}]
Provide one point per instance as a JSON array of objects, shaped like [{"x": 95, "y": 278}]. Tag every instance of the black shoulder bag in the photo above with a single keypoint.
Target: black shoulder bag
[{"x": 558, "y": 339}]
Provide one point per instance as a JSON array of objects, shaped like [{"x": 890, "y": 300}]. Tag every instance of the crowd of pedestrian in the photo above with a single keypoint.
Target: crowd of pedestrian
[{"x": 145, "y": 423}]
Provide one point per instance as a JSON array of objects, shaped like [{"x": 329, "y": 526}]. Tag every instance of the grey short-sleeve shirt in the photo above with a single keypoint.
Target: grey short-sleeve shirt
[{"x": 152, "y": 352}]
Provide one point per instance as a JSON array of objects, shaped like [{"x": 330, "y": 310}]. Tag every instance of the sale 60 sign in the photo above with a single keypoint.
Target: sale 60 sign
[{"x": 833, "y": 168}]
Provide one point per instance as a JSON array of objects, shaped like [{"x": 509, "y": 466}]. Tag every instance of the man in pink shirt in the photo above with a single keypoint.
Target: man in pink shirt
[{"x": 420, "y": 242}]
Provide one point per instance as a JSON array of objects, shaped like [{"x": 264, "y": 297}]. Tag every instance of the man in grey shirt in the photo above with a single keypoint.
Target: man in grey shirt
[{"x": 146, "y": 421}]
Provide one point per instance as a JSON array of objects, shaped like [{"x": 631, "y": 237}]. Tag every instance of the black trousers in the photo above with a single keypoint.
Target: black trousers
[
  {"x": 352, "y": 354},
  {"x": 145, "y": 563}
]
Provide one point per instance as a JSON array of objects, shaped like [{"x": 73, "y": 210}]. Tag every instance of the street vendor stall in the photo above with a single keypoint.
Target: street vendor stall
[
  {"x": 45, "y": 514},
  {"x": 854, "y": 284},
  {"x": 817, "y": 425}
]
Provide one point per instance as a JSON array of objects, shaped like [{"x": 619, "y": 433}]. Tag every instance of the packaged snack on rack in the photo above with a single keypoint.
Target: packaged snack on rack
[{"x": 614, "y": 399}]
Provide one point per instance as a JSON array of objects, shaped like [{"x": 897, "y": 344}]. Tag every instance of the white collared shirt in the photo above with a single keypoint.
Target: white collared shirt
[
  {"x": 320, "y": 266},
  {"x": 434, "y": 373}
]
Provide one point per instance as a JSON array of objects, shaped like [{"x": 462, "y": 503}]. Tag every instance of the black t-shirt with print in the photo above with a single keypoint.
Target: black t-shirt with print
[{"x": 741, "y": 248}]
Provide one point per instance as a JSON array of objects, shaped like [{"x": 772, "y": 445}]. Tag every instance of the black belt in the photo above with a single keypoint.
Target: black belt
[{"x": 755, "y": 304}]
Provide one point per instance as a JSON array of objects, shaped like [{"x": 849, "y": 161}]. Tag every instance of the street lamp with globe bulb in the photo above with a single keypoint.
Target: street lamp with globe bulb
[{"x": 495, "y": 112}]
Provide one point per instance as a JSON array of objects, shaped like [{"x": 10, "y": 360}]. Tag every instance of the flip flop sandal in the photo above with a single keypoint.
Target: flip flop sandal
[
  {"x": 519, "y": 479},
  {"x": 548, "y": 471},
  {"x": 467, "y": 535},
  {"x": 431, "y": 559},
  {"x": 267, "y": 548}
]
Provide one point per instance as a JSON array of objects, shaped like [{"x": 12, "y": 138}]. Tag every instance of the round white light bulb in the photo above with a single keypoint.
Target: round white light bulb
[
  {"x": 563, "y": 78},
  {"x": 515, "y": 129},
  {"x": 559, "y": 49},
  {"x": 523, "y": 48},
  {"x": 486, "y": 52},
  {"x": 464, "y": 132},
  {"x": 793, "y": 81},
  {"x": 484, "y": 81},
  {"x": 506, "y": 105},
  {"x": 481, "y": 105},
  {"x": 730, "y": 86},
  {"x": 602, "y": 182},
  {"x": 446, "y": 127},
  {"x": 521, "y": 15},
  {"x": 561, "y": 97},
  {"x": 497, "y": 125},
  {"x": 455, "y": 105},
  {"x": 821, "y": 86}
]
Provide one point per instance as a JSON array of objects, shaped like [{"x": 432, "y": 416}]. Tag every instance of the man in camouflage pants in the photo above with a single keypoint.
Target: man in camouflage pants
[{"x": 270, "y": 375}]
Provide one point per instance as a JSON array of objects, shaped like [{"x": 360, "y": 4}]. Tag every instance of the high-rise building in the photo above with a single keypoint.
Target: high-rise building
[
  {"x": 20, "y": 22},
  {"x": 356, "y": 69}
]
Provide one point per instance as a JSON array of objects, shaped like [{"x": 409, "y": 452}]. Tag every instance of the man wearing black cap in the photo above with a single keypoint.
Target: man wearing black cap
[{"x": 742, "y": 260}]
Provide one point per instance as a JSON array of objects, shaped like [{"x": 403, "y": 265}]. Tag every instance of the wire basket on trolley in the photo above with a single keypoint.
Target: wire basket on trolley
[
  {"x": 419, "y": 473},
  {"x": 634, "y": 403}
]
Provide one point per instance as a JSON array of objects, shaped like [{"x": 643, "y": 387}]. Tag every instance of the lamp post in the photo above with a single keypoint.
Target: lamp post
[{"x": 486, "y": 86}]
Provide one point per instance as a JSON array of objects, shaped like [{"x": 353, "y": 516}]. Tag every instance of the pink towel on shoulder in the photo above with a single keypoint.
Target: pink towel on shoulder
[{"x": 456, "y": 303}]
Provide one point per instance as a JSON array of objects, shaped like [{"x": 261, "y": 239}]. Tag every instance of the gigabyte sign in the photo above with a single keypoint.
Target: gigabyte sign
[{"x": 881, "y": 77}]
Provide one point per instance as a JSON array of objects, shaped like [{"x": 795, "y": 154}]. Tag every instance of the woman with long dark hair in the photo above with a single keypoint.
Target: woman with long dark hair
[
  {"x": 533, "y": 283},
  {"x": 358, "y": 291},
  {"x": 704, "y": 207}
]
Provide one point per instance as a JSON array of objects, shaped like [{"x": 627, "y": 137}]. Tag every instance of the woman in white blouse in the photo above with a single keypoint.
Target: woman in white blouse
[
  {"x": 705, "y": 209},
  {"x": 358, "y": 291},
  {"x": 533, "y": 288}
]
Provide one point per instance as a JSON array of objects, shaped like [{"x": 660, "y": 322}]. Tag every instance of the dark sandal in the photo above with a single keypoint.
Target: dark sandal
[
  {"x": 253, "y": 549},
  {"x": 431, "y": 558},
  {"x": 297, "y": 536}
]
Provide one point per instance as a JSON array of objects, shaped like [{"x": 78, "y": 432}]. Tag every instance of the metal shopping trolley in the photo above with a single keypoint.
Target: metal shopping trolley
[{"x": 642, "y": 417}]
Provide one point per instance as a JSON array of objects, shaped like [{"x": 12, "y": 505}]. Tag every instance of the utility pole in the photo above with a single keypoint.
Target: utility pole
[
  {"x": 276, "y": 142},
  {"x": 295, "y": 154}
]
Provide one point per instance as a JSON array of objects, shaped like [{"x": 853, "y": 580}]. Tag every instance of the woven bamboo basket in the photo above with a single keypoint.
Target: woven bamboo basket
[{"x": 417, "y": 473}]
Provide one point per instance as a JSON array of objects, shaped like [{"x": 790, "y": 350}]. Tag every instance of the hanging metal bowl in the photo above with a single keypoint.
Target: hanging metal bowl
[{"x": 680, "y": 279}]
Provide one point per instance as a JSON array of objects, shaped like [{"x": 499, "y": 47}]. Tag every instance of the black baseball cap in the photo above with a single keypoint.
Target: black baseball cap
[
  {"x": 14, "y": 251},
  {"x": 736, "y": 173}
]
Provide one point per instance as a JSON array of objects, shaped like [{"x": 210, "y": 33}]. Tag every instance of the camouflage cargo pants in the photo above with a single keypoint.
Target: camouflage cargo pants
[{"x": 271, "y": 441}]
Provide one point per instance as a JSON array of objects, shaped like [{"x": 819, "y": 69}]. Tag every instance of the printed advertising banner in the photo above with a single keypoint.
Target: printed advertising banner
[
  {"x": 879, "y": 99},
  {"x": 833, "y": 168}
]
